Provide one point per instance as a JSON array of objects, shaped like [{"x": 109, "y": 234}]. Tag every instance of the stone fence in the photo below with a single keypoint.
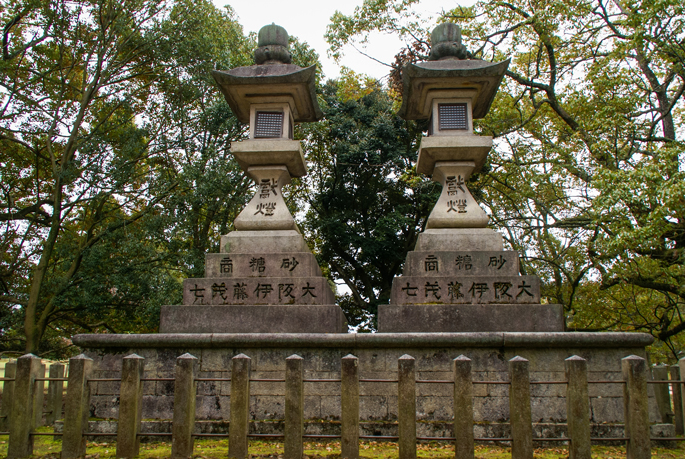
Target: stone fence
[{"x": 24, "y": 389}]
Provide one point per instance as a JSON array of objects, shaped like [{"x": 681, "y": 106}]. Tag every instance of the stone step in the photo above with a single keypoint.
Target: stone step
[
  {"x": 469, "y": 318},
  {"x": 255, "y": 290},
  {"x": 287, "y": 264},
  {"x": 253, "y": 318},
  {"x": 465, "y": 290},
  {"x": 474, "y": 263}
]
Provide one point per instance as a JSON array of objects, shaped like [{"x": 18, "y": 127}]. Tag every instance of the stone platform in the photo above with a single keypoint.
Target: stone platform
[
  {"x": 378, "y": 354},
  {"x": 261, "y": 282}
]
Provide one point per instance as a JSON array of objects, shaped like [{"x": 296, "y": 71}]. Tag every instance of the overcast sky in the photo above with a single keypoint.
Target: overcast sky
[{"x": 307, "y": 20}]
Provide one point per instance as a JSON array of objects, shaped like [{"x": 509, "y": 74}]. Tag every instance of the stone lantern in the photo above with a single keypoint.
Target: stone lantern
[
  {"x": 270, "y": 96},
  {"x": 451, "y": 91},
  {"x": 459, "y": 278},
  {"x": 264, "y": 278}
]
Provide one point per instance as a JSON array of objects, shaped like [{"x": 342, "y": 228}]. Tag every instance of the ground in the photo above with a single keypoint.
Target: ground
[{"x": 46, "y": 447}]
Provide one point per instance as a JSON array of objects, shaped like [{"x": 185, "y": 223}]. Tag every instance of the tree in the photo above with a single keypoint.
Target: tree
[
  {"x": 367, "y": 204},
  {"x": 586, "y": 177},
  {"x": 86, "y": 171}
]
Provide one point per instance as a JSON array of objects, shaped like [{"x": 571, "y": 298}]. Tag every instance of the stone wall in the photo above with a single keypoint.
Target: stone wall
[{"x": 378, "y": 356}]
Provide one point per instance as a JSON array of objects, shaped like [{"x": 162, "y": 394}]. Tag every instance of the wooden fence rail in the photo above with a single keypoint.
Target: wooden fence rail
[{"x": 24, "y": 379}]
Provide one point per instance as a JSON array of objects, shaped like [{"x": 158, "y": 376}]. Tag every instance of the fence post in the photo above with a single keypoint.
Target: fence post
[
  {"x": 349, "y": 401},
  {"x": 130, "y": 406},
  {"x": 663, "y": 397},
  {"x": 39, "y": 399},
  {"x": 519, "y": 409},
  {"x": 76, "y": 407},
  {"x": 7, "y": 396},
  {"x": 23, "y": 418},
  {"x": 463, "y": 408},
  {"x": 636, "y": 408},
  {"x": 677, "y": 400},
  {"x": 294, "y": 407},
  {"x": 185, "y": 389},
  {"x": 406, "y": 400},
  {"x": 578, "y": 408},
  {"x": 55, "y": 393},
  {"x": 240, "y": 407}
]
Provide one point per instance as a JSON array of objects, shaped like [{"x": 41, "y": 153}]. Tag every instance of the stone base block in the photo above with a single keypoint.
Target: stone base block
[
  {"x": 276, "y": 241},
  {"x": 460, "y": 318},
  {"x": 253, "y": 319},
  {"x": 459, "y": 240}
]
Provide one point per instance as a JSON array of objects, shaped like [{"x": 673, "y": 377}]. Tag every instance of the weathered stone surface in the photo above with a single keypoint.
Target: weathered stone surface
[
  {"x": 55, "y": 392},
  {"x": 7, "y": 396},
  {"x": 250, "y": 242},
  {"x": 406, "y": 406},
  {"x": 459, "y": 240},
  {"x": 470, "y": 318},
  {"x": 294, "y": 407},
  {"x": 130, "y": 406},
  {"x": 267, "y": 152},
  {"x": 240, "y": 406},
  {"x": 662, "y": 394},
  {"x": 23, "y": 420},
  {"x": 442, "y": 263},
  {"x": 578, "y": 408},
  {"x": 250, "y": 290},
  {"x": 636, "y": 409},
  {"x": 76, "y": 407},
  {"x": 259, "y": 264},
  {"x": 520, "y": 409},
  {"x": 349, "y": 390},
  {"x": 438, "y": 289},
  {"x": 185, "y": 388},
  {"x": 677, "y": 400},
  {"x": 253, "y": 319},
  {"x": 463, "y": 408}
]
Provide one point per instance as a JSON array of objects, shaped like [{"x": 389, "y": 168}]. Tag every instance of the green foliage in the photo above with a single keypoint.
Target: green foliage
[
  {"x": 586, "y": 179},
  {"x": 367, "y": 205},
  {"x": 114, "y": 147}
]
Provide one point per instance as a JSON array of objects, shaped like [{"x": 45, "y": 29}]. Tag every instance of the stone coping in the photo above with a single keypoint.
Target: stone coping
[{"x": 366, "y": 340}]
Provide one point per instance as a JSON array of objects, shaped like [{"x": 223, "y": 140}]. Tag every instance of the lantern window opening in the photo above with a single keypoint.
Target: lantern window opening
[
  {"x": 453, "y": 117},
  {"x": 268, "y": 124}
]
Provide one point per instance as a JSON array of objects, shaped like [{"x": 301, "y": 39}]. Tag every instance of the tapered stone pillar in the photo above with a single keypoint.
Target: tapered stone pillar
[
  {"x": 130, "y": 406},
  {"x": 7, "y": 396},
  {"x": 294, "y": 407},
  {"x": 55, "y": 394}
]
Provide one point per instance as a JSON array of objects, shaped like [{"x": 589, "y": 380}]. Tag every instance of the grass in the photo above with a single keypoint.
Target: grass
[{"x": 46, "y": 447}]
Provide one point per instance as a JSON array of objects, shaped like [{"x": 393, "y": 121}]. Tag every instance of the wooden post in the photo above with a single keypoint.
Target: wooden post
[
  {"x": 77, "y": 408},
  {"x": 661, "y": 393},
  {"x": 519, "y": 409},
  {"x": 578, "y": 408},
  {"x": 636, "y": 407},
  {"x": 23, "y": 420},
  {"x": 294, "y": 407},
  {"x": 39, "y": 399},
  {"x": 406, "y": 400},
  {"x": 185, "y": 390},
  {"x": 679, "y": 421},
  {"x": 240, "y": 407},
  {"x": 349, "y": 401},
  {"x": 130, "y": 406},
  {"x": 7, "y": 396},
  {"x": 55, "y": 394},
  {"x": 463, "y": 408}
]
